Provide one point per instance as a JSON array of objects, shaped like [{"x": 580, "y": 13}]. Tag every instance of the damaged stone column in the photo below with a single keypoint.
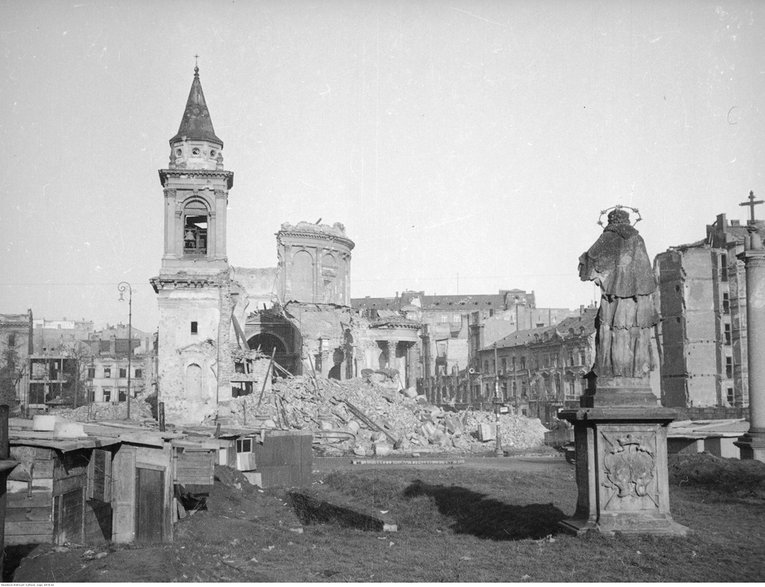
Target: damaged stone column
[{"x": 752, "y": 444}]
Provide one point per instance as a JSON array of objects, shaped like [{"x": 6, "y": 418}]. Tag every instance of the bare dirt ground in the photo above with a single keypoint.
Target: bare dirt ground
[{"x": 487, "y": 520}]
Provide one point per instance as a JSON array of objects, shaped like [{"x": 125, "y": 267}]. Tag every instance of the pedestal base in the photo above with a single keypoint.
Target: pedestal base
[
  {"x": 752, "y": 446},
  {"x": 621, "y": 471}
]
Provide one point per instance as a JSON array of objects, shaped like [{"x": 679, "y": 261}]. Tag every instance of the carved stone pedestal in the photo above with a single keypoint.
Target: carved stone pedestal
[{"x": 621, "y": 470}]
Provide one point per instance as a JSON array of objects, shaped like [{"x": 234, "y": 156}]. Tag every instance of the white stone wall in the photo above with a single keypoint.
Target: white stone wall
[{"x": 188, "y": 363}]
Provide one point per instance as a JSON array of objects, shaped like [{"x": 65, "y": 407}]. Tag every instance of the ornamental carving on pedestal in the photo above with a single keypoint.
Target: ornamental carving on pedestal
[{"x": 629, "y": 465}]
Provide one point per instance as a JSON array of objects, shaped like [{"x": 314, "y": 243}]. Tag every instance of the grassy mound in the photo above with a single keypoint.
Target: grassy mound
[{"x": 738, "y": 478}]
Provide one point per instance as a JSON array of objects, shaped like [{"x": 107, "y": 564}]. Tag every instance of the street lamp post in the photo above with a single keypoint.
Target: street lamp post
[
  {"x": 497, "y": 403},
  {"x": 124, "y": 285}
]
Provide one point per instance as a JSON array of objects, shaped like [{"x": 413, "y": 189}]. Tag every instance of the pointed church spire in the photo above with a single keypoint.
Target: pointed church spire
[{"x": 196, "y": 124}]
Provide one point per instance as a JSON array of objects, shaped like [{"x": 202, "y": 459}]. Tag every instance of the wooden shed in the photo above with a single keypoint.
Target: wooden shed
[
  {"x": 60, "y": 490},
  {"x": 142, "y": 482}
]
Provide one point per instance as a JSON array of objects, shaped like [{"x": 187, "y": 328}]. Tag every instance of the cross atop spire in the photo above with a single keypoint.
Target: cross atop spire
[{"x": 751, "y": 204}]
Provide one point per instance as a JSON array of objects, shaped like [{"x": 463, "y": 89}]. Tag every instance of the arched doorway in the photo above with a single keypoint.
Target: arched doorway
[{"x": 269, "y": 344}]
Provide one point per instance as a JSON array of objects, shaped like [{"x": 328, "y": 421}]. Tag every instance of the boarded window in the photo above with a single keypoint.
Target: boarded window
[{"x": 194, "y": 467}]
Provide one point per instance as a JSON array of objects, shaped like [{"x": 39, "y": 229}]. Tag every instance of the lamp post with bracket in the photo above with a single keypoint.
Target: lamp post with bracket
[{"x": 122, "y": 287}]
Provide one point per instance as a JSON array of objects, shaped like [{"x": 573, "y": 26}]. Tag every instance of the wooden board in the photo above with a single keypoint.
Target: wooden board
[
  {"x": 68, "y": 484},
  {"x": 68, "y": 516},
  {"x": 100, "y": 475},
  {"x": 40, "y": 514},
  {"x": 43, "y": 469},
  {"x": 28, "y": 528},
  {"x": 46, "y": 538},
  {"x": 150, "y": 504},
  {"x": 123, "y": 495},
  {"x": 195, "y": 467},
  {"x": 33, "y": 500},
  {"x": 98, "y": 522}
]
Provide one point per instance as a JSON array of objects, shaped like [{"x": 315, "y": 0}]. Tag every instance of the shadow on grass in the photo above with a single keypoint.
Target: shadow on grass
[
  {"x": 475, "y": 513},
  {"x": 311, "y": 510}
]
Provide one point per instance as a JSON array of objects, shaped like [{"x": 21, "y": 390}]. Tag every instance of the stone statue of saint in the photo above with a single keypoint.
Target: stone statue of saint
[{"x": 618, "y": 262}]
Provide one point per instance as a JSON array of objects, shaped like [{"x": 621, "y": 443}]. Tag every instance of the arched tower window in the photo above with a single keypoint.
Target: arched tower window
[{"x": 195, "y": 223}]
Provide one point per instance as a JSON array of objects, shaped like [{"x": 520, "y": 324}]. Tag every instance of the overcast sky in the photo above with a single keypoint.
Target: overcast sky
[{"x": 467, "y": 145}]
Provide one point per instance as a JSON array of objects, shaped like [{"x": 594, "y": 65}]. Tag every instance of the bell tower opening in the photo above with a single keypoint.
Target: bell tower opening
[{"x": 195, "y": 225}]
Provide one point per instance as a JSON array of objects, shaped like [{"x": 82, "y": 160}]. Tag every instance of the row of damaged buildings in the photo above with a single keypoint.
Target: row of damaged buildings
[
  {"x": 69, "y": 363},
  {"x": 219, "y": 322},
  {"x": 225, "y": 331}
]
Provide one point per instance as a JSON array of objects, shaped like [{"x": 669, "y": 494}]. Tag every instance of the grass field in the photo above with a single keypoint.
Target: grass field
[{"x": 455, "y": 524}]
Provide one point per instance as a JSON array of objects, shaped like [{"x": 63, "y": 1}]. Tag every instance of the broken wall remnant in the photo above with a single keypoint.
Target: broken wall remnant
[{"x": 314, "y": 263}]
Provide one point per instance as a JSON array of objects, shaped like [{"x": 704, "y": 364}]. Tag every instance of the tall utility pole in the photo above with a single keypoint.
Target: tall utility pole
[{"x": 121, "y": 287}]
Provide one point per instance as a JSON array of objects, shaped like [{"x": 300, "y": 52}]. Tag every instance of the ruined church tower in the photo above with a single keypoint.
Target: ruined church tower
[{"x": 193, "y": 286}]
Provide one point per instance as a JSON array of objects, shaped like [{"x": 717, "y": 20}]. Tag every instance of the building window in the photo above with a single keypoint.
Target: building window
[
  {"x": 729, "y": 367},
  {"x": 194, "y": 328},
  {"x": 723, "y": 267},
  {"x": 244, "y": 445},
  {"x": 139, "y": 373},
  {"x": 726, "y": 303},
  {"x": 726, "y": 333},
  {"x": 486, "y": 366},
  {"x": 731, "y": 398},
  {"x": 123, "y": 373},
  {"x": 107, "y": 397},
  {"x": 91, "y": 372},
  {"x": 523, "y": 363},
  {"x": 122, "y": 394},
  {"x": 107, "y": 372},
  {"x": 504, "y": 364},
  {"x": 11, "y": 340}
]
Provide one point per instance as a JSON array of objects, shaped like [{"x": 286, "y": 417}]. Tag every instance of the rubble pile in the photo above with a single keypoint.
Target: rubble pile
[
  {"x": 139, "y": 411},
  {"x": 372, "y": 416}
]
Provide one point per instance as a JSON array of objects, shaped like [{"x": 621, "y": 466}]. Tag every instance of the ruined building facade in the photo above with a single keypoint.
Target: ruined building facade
[
  {"x": 216, "y": 320},
  {"x": 703, "y": 327}
]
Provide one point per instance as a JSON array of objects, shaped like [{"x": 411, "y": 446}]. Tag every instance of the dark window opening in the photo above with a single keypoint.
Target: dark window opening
[
  {"x": 123, "y": 373},
  {"x": 194, "y": 328},
  {"x": 195, "y": 229},
  {"x": 244, "y": 445},
  {"x": 729, "y": 367},
  {"x": 107, "y": 372},
  {"x": 726, "y": 303},
  {"x": 726, "y": 333}
]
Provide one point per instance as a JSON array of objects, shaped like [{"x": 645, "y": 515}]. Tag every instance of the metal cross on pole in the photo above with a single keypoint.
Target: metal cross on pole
[{"x": 751, "y": 204}]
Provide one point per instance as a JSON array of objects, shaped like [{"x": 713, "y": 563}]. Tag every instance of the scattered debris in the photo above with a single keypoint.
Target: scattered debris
[{"x": 375, "y": 416}]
